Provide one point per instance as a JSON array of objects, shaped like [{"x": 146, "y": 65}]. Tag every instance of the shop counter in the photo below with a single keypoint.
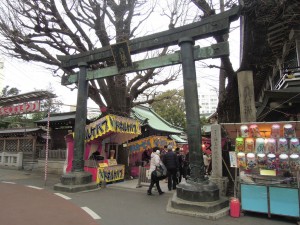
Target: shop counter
[
  {"x": 271, "y": 199},
  {"x": 104, "y": 172}
]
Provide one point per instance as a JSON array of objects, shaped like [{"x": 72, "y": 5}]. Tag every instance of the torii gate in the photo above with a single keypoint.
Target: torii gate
[{"x": 196, "y": 187}]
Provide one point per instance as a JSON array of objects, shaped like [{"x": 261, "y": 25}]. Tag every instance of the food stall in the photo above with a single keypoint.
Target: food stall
[
  {"x": 103, "y": 138},
  {"x": 136, "y": 149},
  {"x": 268, "y": 158}
]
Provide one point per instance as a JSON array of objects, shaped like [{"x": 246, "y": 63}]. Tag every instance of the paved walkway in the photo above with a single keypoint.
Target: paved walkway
[{"x": 28, "y": 199}]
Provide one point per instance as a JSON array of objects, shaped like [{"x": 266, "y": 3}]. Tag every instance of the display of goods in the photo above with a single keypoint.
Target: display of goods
[
  {"x": 271, "y": 161},
  {"x": 241, "y": 158},
  {"x": 249, "y": 145},
  {"x": 260, "y": 145},
  {"x": 254, "y": 131},
  {"x": 270, "y": 145},
  {"x": 294, "y": 145},
  {"x": 244, "y": 131},
  {"x": 282, "y": 145},
  {"x": 262, "y": 160},
  {"x": 294, "y": 161},
  {"x": 239, "y": 144},
  {"x": 275, "y": 131},
  {"x": 288, "y": 131},
  {"x": 251, "y": 161},
  {"x": 283, "y": 161}
]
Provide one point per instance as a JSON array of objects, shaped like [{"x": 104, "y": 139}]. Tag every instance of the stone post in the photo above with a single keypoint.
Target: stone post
[
  {"x": 246, "y": 96},
  {"x": 78, "y": 179},
  {"x": 196, "y": 188},
  {"x": 217, "y": 171}
]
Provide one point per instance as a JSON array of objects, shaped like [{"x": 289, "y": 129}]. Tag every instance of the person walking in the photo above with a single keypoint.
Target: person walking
[
  {"x": 154, "y": 162},
  {"x": 180, "y": 157},
  {"x": 170, "y": 160}
]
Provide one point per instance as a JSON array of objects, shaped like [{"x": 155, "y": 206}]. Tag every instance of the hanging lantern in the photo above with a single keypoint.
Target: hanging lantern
[
  {"x": 288, "y": 131},
  {"x": 241, "y": 158},
  {"x": 239, "y": 144},
  {"x": 295, "y": 145},
  {"x": 260, "y": 145},
  {"x": 254, "y": 131},
  {"x": 249, "y": 145},
  {"x": 283, "y": 145},
  {"x": 262, "y": 160},
  {"x": 251, "y": 161},
  {"x": 271, "y": 161},
  {"x": 271, "y": 145},
  {"x": 244, "y": 131},
  {"x": 275, "y": 131}
]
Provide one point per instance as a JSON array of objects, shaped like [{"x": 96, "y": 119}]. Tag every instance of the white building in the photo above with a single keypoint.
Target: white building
[
  {"x": 1, "y": 74},
  {"x": 208, "y": 102}
]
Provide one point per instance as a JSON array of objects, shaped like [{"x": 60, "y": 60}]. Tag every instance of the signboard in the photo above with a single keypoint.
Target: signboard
[
  {"x": 115, "y": 124},
  {"x": 121, "y": 54},
  {"x": 20, "y": 109},
  {"x": 111, "y": 173},
  {"x": 233, "y": 159},
  {"x": 149, "y": 142}
]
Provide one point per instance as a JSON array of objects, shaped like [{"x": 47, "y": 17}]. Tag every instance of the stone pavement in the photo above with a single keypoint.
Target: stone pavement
[{"x": 27, "y": 199}]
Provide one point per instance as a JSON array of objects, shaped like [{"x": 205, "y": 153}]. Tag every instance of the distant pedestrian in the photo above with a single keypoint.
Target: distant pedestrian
[
  {"x": 154, "y": 162},
  {"x": 180, "y": 157},
  {"x": 171, "y": 162},
  {"x": 186, "y": 166},
  {"x": 146, "y": 157}
]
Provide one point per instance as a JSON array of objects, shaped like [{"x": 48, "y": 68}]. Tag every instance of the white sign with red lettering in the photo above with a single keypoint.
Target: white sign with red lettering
[{"x": 20, "y": 109}]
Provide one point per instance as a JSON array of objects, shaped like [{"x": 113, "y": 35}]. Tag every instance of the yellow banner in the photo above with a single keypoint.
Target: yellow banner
[
  {"x": 111, "y": 173},
  {"x": 150, "y": 142},
  {"x": 112, "y": 123}
]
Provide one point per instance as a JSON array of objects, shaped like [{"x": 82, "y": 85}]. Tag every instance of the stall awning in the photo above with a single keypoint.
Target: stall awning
[
  {"x": 149, "y": 142},
  {"x": 178, "y": 139},
  {"x": 118, "y": 129}
]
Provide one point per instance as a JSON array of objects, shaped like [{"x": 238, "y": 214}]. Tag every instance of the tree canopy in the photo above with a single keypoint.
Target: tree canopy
[
  {"x": 170, "y": 106},
  {"x": 40, "y": 30}
]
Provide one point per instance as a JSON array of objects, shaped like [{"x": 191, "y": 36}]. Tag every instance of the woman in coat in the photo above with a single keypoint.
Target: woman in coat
[{"x": 154, "y": 162}]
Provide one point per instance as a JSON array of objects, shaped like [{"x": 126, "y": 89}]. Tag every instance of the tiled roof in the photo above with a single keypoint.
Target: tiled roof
[
  {"x": 20, "y": 130},
  {"x": 147, "y": 116},
  {"x": 58, "y": 117},
  {"x": 178, "y": 139}
]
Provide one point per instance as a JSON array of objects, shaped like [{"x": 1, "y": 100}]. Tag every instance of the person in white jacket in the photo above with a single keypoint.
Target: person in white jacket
[{"x": 154, "y": 162}]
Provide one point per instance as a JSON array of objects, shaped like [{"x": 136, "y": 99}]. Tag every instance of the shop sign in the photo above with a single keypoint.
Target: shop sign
[
  {"x": 112, "y": 123},
  {"x": 150, "y": 142},
  {"x": 111, "y": 174},
  {"x": 27, "y": 107}
]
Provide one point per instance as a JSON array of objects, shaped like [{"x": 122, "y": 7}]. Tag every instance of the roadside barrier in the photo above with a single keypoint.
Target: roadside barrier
[
  {"x": 144, "y": 177},
  {"x": 11, "y": 160}
]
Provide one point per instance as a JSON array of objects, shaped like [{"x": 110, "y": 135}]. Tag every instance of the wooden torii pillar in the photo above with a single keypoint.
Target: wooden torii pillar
[{"x": 197, "y": 188}]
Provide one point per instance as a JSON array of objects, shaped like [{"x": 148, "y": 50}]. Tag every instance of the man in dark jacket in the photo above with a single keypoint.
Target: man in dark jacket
[{"x": 170, "y": 160}]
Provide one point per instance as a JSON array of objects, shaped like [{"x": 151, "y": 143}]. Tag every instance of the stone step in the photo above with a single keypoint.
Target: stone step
[{"x": 208, "y": 210}]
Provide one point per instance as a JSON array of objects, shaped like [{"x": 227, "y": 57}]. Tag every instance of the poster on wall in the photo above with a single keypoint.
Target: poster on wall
[{"x": 233, "y": 159}]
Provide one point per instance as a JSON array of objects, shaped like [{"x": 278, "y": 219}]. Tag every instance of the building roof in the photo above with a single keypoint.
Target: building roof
[
  {"x": 26, "y": 97},
  {"x": 147, "y": 116},
  {"x": 58, "y": 117},
  {"x": 20, "y": 130},
  {"x": 178, "y": 139}
]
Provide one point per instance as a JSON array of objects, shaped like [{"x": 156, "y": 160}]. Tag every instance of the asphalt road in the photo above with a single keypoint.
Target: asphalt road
[{"x": 113, "y": 205}]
